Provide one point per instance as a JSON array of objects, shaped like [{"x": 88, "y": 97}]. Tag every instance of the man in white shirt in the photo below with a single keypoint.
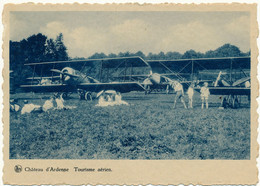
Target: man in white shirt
[
  {"x": 204, "y": 95},
  {"x": 178, "y": 88}
]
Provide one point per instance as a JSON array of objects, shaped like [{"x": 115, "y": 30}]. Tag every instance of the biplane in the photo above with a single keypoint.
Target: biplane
[
  {"x": 91, "y": 76},
  {"x": 230, "y": 83},
  {"x": 135, "y": 74}
]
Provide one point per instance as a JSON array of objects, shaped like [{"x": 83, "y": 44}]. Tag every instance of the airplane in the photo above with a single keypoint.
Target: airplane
[
  {"x": 230, "y": 92},
  {"x": 69, "y": 78},
  {"x": 159, "y": 75},
  {"x": 230, "y": 84},
  {"x": 72, "y": 80}
]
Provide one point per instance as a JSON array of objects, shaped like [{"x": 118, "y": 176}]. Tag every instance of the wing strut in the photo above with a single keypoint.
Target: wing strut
[{"x": 176, "y": 74}]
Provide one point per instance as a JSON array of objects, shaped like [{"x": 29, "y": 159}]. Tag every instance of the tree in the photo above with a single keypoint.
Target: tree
[
  {"x": 61, "y": 50},
  {"x": 125, "y": 54},
  {"x": 227, "y": 50},
  {"x": 151, "y": 56},
  {"x": 172, "y": 55},
  {"x": 140, "y": 54},
  {"x": 112, "y": 55},
  {"x": 161, "y": 56},
  {"x": 34, "y": 48},
  {"x": 50, "y": 50},
  {"x": 210, "y": 54},
  {"x": 98, "y": 56},
  {"x": 191, "y": 54}
]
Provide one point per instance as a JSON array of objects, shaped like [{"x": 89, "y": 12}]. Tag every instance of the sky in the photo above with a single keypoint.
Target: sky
[{"x": 86, "y": 33}]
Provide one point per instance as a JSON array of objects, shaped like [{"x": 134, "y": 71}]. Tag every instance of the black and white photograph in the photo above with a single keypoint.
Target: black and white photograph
[{"x": 130, "y": 85}]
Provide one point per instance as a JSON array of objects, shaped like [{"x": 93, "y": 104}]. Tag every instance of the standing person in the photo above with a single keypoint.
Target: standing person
[
  {"x": 204, "y": 95},
  {"x": 178, "y": 88},
  {"x": 190, "y": 93}
]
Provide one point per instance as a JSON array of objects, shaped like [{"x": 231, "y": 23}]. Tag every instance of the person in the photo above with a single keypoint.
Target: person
[
  {"x": 60, "y": 102},
  {"x": 204, "y": 95},
  {"x": 29, "y": 107},
  {"x": 109, "y": 98},
  {"x": 14, "y": 107},
  {"x": 247, "y": 84},
  {"x": 48, "y": 104},
  {"x": 190, "y": 93},
  {"x": 178, "y": 88},
  {"x": 102, "y": 102},
  {"x": 118, "y": 99}
]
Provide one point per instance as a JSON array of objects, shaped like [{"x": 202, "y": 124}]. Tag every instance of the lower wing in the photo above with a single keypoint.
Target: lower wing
[
  {"x": 227, "y": 90},
  {"x": 122, "y": 87}
]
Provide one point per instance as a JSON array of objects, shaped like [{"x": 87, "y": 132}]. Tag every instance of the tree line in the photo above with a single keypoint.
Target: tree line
[
  {"x": 40, "y": 48},
  {"x": 227, "y": 50},
  {"x": 36, "y": 48}
]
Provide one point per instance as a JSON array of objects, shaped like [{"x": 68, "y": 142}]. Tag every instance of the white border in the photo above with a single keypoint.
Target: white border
[{"x": 3, "y": 2}]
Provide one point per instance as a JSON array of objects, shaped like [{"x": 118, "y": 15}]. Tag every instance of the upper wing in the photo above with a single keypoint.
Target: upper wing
[
  {"x": 134, "y": 61},
  {"x": 186, "y": 65}
]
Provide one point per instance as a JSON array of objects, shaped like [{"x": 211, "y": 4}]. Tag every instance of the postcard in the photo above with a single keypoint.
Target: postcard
[{"x": 130, "y": 94}]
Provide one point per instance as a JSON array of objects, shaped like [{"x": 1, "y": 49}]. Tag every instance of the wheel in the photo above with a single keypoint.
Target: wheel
[
  {"x": 224, "y": 102},
  {"x": 147, "y": 89},
  {"x": 64, "y": 95},
  {"x": 81, "y": 96},
  {"x": 230, "y": 100},
  {"x": 235, "y": 102},
  {"x": 167, "y": 89},
  {"x": 88, "y": 96}
]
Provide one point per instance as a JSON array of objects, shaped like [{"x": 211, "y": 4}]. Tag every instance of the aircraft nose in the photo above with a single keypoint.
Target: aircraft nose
[
  {"x": 66, "y": 78},
  {"x": 156, "y": 78}
]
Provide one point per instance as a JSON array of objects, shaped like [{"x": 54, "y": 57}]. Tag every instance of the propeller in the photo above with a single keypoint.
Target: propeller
[
  {"x": 93, "y": 79},
  {"x": 64, "y": 73}
]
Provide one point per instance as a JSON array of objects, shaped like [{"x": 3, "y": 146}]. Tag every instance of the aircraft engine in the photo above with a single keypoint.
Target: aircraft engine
[
  {"x": 67, "y": 70},
  {"x": 155, "y": 78}
]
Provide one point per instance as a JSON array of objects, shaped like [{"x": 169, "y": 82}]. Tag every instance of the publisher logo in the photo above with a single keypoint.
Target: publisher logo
[{"x": 18, "y": 168}]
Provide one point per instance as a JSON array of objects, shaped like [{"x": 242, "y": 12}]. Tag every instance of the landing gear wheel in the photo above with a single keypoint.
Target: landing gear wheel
[
  {"x": 167, "y": 89},
  {"x": 88, "y": 96},
  {"x": 148, "y": 90},
  {"x": 224, "y": 102},
  {"x": 64, "y": 95},
  {"x": 235, "y": 102},
  {"x": 81, "y": 96}
]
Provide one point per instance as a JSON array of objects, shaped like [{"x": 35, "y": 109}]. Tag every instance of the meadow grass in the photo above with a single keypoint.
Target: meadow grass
[{"x": 149, "y": 128}]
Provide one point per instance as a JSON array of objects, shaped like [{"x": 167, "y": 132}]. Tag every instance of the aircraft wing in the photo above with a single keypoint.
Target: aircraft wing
[
  {"x": 40, "y": 78},
  {"x": 186, "y": 65},
  {"x": 49, "y": 88},
  {"x": 122, "y": 87},
  {"x": 227, "y": 90}
]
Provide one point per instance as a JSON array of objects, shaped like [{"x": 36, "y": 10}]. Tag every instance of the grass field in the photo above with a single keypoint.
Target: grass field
[{"x": 147, "y": 129}]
